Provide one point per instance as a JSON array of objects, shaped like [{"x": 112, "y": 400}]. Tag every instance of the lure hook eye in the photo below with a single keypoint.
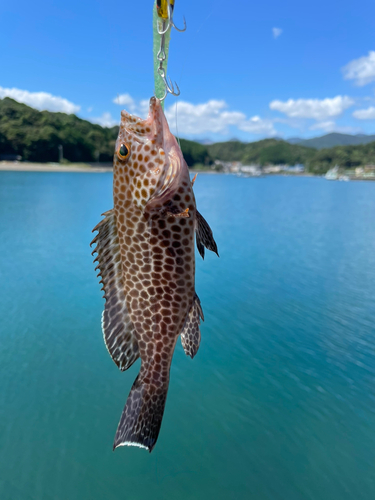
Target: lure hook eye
[{"x": 123, "y": 152}]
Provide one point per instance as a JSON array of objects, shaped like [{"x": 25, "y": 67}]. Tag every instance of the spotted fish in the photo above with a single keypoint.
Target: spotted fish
[{"x": 145, "y": 255}]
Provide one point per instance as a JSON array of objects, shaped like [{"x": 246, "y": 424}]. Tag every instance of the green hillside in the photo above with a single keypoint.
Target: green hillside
[
  {"x": 36, "y": 135},
  {"x": 344, "y": 156},
  {"x": 265, "y": 152},
  {"x": 195, "y": 153},
  {"x": 273, "y": 152}
]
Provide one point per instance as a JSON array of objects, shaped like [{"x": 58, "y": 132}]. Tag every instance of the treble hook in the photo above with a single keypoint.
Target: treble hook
[
  {"x": 165, "y": 12},
  {"x": 169, "y": 88},
  {"x": 170, "y": 21}
]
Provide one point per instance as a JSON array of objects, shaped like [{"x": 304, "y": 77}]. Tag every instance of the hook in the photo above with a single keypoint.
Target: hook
[
  {"x": 163, "y": 31},
  {"x": 170, "y": 21},
  {"x": 165, "y": 12},
  {"x": 169, "y": 87}
]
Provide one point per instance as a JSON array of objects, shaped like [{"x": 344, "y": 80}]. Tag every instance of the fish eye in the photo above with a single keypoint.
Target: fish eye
[{"x": 123, "y": 152}]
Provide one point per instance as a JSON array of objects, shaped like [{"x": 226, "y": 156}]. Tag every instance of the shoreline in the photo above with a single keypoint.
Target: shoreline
[
  {"x": 93, "y": 168},
  {"x": 11, "y": 166},
  {"x": 51, "y": 167}
]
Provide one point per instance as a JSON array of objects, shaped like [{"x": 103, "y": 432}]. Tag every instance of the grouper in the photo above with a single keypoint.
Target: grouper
[{"x": 145, "y": 256}]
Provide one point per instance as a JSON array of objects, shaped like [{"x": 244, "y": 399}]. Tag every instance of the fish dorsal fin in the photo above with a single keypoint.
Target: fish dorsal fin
[
  {"x": 191, "y": 335},
  {"x": 118, "y": 330},
  {"x": 204, "y": 236}
]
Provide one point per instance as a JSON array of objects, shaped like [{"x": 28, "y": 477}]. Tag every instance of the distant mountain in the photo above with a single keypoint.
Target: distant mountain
[
  {"x": 264, "y": 152},
  {"x": 294, "y": 140},
  {"x": 332, "y": 140},
  {"x": 205, "y": 141}
]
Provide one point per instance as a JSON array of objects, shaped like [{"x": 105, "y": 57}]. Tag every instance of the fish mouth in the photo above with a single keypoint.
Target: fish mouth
[{"x": 155, "y": 131}]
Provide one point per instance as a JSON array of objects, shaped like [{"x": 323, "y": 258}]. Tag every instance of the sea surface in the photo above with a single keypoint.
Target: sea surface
[{"x": 278, "y": 404}]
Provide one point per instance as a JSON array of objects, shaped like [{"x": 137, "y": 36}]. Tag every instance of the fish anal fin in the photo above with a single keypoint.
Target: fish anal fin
[
  {"x": 204, "y": 236},
  {"x": 191, "y": 335},
  {"x": 118, "y": 330}
]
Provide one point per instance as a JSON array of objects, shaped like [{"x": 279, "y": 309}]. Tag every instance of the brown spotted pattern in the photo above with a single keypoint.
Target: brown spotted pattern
[{"x": 153, "y": 250}]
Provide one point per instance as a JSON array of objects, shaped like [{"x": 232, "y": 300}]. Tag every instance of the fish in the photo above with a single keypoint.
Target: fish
[{"x": 145, "y": 256}]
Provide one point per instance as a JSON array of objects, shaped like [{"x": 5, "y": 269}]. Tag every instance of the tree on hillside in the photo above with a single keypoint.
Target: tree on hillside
[{"x": 36, "y": 136}]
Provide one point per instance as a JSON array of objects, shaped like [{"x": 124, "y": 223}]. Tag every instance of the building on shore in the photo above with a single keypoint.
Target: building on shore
[{"x": 255, "y": 170}]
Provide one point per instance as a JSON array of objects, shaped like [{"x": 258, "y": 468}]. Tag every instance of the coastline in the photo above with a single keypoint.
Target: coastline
[
  {"x": 99, "y": 168},
  {"x": 11, "y": 166}
]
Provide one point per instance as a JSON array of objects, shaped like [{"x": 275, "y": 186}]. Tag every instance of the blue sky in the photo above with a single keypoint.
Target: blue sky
[{"x": 245, "y": 69}]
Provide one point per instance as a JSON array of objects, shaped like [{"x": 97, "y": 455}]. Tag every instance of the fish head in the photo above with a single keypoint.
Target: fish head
[{"x": 148, "y": 162}]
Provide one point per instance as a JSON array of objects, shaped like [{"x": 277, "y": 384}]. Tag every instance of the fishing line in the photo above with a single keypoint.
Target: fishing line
[
  {"x": 178, "y": 137},
  {"x": 217, "y": 4},
  {"x": 180, "y": 80}
]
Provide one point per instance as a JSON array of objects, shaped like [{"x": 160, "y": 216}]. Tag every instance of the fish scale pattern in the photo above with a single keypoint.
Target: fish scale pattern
[{"x": 157, "y": 248}]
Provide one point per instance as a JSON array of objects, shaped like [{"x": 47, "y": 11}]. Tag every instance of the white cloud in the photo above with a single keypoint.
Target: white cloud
[
  {"x": 143, "y": 107},
  {"x": 105, "y": 120},
  {"x": 365, "y": 114},
  {"x": 276, "y": 32},
  {"x": 213, "y": 116},
  {"x": 361, "y": 70},
  {"x": 330, "y": 126},
  {"x": 196, "y": 119},
  {"x": 200, "y": 118},
  {"x": 40, "y": 100},
  {"x": 319, "y": 109},
  {"x": 327, "y": 126},
  {"x": 257, "y": 125},
  {"x": 125, "y": 100}
]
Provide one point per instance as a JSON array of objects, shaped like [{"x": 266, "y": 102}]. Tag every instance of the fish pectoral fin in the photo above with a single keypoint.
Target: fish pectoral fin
[
  {"x": 185, "y": 213},
  {"x": 118, "y": 330},
  {"x": 191, "y": 335},
  {"x": 204, "y": 236}
]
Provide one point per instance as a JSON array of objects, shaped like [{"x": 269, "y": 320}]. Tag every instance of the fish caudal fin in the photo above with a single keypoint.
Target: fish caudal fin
[{"x": 142, "y": 416}]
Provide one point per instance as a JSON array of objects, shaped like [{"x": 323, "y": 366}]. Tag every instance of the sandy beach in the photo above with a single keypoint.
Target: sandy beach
[
  {"x": 53, "y": 167},
  {"x": 73, "y": 167}
]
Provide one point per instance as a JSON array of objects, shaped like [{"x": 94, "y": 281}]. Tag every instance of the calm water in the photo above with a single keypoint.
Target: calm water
[{"x": 279, "y": 403}]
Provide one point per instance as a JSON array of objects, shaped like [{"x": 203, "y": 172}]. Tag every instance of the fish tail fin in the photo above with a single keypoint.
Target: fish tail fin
[{"x": 142, "y": 416}]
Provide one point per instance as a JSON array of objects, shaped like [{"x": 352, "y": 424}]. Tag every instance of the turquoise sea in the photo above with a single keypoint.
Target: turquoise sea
[{"x": 279, "y": 403}]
